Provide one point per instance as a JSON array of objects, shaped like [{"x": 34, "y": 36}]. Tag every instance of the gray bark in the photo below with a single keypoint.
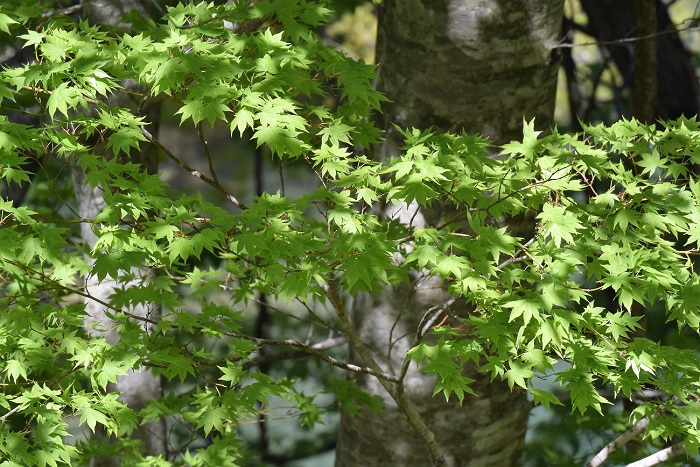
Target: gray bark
[
  {"x": 137, "y": 387},
  {"x": 481, "y": 66}
]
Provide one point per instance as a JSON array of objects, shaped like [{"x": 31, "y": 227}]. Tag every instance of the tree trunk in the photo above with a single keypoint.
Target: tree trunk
[
  {"x": 476, "y": 65},
  {"x": 137, "y": 387},
  {"x": 677, "y": 90}
]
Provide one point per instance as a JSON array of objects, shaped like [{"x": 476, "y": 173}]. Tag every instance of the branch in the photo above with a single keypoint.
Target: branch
[
  {"x": 405, "y": 405},
  {"x": 644, "y": 95},
  {"x": 618, "y": 442},
  {"x": 15, "y": 410},
  {"x": 660, "y": 456},
  {"x": 670, "y": 30},
  {"x": 426, "y": 323},
  {"x": 63, "y": 11},
  {"x": 83, "y": 294},
  {"x": 316, "y": 352},
  {"x": 323, "y": 345},
  {"x": 213, "y": 183},
  {"x": 212, "y": 172}
]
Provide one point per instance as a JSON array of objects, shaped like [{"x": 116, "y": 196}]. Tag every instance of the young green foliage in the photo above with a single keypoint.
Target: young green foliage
[{"x": 616, "y": 209}]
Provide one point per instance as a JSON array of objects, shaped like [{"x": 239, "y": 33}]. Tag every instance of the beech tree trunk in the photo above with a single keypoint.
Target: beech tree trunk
[
  {"x": 481, "y": 66},
  {"x": 137, "y": 387}
]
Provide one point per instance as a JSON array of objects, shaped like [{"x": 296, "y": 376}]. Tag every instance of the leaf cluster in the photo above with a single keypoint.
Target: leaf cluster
[{"x": 615, "y": 208}]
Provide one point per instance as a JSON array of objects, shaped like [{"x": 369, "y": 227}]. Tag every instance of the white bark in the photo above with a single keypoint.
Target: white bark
[{"x": 660, "y": 457}]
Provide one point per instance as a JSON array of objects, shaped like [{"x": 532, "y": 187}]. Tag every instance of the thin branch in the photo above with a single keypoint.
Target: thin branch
[
  {"x": 214, "y": 184},
  {"x": 212, "y": 172},
  {"x": 311, "y": 350},
  {"x": 269, "y": 359},
  {"x": 63, "y": 11},
  {"x": 618, "y": 442},
  {"x": 15, "y": 410},
  {"x": 645, "y": 82},
  {"x": 397, "y": 393},
  {"x": 349, "y": 329},
  {"x": 670, "y": 30},
  {"x": 516, "y": 258},
  {"x": 281, "y": 174},
  {"x": 83, "y": 294},
  {"x": 314, "y": 315},
  {"x": 426, "y": 323},
  {"x": 660, "y": 456}
]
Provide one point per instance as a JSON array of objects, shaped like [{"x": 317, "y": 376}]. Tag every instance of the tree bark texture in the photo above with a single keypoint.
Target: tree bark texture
[
  {"x": 481, "y": 66},
  {"x": 137, "y": 387},
  {"x": 677, "y": 90}
]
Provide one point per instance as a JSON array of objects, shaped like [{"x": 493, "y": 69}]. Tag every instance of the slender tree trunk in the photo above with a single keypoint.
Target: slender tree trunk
[
  {"x": 677, "y": 92},
  {"x": 481, "y": 66},
  {"x": 644, "y": 100},
  {"x": 137, "y": 387}
]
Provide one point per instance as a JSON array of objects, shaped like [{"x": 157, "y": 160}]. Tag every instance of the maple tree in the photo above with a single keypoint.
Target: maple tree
[{"x": 617, "y": 208}]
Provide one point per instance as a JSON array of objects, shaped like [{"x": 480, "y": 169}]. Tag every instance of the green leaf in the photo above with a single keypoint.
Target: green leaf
[
  {"x": 528, "y": 308},
  {"x": 517, "y": 374},
  {"x": 92, "y": 417},
  {"x": 544, "y": 398},
  {"x": 559, "y": 223},
  {"x": 242, "y": 120},
  {"x": 62, "y": 99},
  {"x": 15, "y": 369},
  {"x": 32, "y": 38},
  {"x": 5, "y": 22},
  {"x": 451, "y": 265},
  {"x": 213, "y": 420}
]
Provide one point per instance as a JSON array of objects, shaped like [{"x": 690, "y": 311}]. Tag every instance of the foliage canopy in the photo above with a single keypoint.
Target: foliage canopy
[{"x": 616, "y": 208}]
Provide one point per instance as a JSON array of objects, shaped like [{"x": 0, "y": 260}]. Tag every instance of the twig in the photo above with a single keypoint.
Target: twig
[
  {"x": 323, "y": 345},
  {"x": 281, "y": 174},
  {"x": 214, "y": 184},
  {"x": 624, "y": 40},
  {"x": 660, "y": 456},
  {"x": 426, "y": 323},
  {"x": 212, "y": 172},
  {"x": 316, "y": 352},
  {"x": 83, "y": 294},
  {"x": 63, "y": 11},
  {"x": 516, "y": 258},
  {"x": 397, "y": 393}
]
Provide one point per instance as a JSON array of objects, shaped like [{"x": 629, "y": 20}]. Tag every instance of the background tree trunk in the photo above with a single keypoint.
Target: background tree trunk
[
  {"x": 677, "y": 91},
  {"x": 476, "y": 65},
  {"x": 137, "y": 388}
]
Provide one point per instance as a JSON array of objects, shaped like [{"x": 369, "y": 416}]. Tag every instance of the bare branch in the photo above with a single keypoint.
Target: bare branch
[
  {"x": 323, "y": 345},
  {"x": 316, "y": 352},
  {"x": 625, "y": 40},
  {"x": 15, "y": 410},
  {"x": 397, "y": 393},
  {"x": 83, "y": 294},
  {"x": 63, "y": 11},
  {"x": 213, "y": 183},
  {"x": 212, "y": 172}
]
